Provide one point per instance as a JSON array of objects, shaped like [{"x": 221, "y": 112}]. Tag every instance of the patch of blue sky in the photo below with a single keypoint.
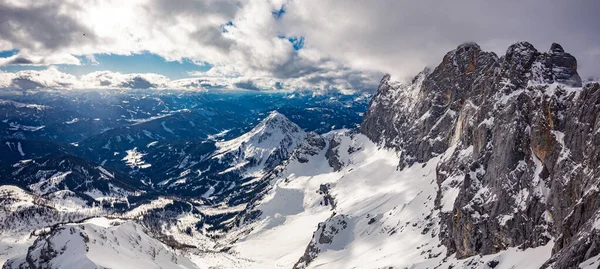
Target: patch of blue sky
[
  {"x": 8, "y": 53},
  {"x": 297, "y": 42},
  {"x": 279, "y": 13},
  {"x": 135, "y": 63},
  {"x": 226, "y": 25}
]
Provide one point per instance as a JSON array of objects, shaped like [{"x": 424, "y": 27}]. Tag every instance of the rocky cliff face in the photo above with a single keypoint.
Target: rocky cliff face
[{"x": 522, "y": 134}]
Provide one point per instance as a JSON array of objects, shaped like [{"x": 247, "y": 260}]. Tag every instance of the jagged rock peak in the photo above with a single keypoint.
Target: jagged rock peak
[
  {"x": 555, "y": 47},
  {"x": 524, "y": 64},
  {"x": 522, "y": 48},
  {"x": 386, "y": 78},
  {"x": 466, "y": 59},
  {"x": 276, "y": 115},
  {"x": 424, "y": 73},
  {"x": 465, "y": 53},
  {"x": 520, "y": 54},
  {"x": 464, "y": 47},
  {"x": 278, "y": 121}
]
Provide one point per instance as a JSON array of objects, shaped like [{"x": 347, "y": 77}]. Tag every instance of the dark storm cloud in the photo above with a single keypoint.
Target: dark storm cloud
[
  {"x": 25, "y": 84},
  {"x": 295, "y": 67},
  {"x": 247, "y": 85},
  {"x": 41, "y": 27},
  {"x": 214, "y": 37},
  {"x": 138, "y": 82},
  {"x": 20, "y": 60}
]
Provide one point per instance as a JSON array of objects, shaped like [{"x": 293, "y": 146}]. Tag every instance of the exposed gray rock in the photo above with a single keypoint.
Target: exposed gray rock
[
  {"x": 323, "y": 237},
  {"x": 585, "y": 245},
  {"x": 328, "y": 199},
  {"x": 332, "y": 154},
  {"x": 312, "y": 145},
  {"x": 519, "y": 142},
  {"x": 417, "y": 118}
]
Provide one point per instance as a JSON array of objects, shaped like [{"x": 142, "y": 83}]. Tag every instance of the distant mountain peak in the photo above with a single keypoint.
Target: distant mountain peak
[
  {"x": 276, "y": 119},
  {"x": 276, "y": 114},
  {"x": 467, "y": 46},
  {"x": 555, "y": 47},
  {"x": 274, "y": 123},
  {"x": 266, "y": 145}
]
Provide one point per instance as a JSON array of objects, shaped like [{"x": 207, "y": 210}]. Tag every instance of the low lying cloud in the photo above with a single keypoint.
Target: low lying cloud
[
  {"x": 52, "y": 78},
  {"x": 33, "y": 79},
  {"x": 108, "y": 79}
]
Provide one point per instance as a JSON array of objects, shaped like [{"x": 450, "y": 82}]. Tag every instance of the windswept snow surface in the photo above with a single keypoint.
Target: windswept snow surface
[
  {"x": 382, "y": 217},
  {"x": 24, "y": 213},
  {"x": 103, "y": 243},
  {"x": 391, "y": 218},
  {"x": 399, "y": 202}
]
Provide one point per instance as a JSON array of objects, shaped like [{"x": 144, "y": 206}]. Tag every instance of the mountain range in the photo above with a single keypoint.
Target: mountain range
[{"x": 484, "y": 161}]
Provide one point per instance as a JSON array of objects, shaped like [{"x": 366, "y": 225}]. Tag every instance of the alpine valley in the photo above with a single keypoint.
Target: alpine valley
[{"x": 481, "y": 162}]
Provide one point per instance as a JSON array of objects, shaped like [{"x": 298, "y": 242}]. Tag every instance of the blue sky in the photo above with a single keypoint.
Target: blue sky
[
  {"x": 8, "y": 53},
  {"x": 145, "y": 62},
  {"x": 136, "y": 63}
]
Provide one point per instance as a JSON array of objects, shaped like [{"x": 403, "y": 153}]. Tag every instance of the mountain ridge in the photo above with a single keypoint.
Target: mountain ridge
[
  {"x": 481, "y": 162},
  {"x": 513, "y": 117}
]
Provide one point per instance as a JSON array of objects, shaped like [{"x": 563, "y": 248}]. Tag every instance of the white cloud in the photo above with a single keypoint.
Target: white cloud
[
  {"x": 402, "y": 37},
  {"x": 33, "y": 79},
  {"x": 52, "y": 78},
  {"x": 226, "y": 71},
  {"x": 241, "y": 39},
  {"x": 108, "y": 79},
  {"x": 347, "y": 45}
]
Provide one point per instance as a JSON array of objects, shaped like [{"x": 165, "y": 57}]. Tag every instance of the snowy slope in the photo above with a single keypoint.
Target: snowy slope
[
  {"x": 229, "y": 172},
  {"x": 264, "y": 147},
  {"x": 368, "y": 214},
  {"x": 380, "y": 218},
  {"x": 289, "y": 214},
  {"x": 387, "y": 218},
  {"x": 60, "y": 177},
  {"x": 100, "y": 243},
  {"x": 23, "y": 213}
]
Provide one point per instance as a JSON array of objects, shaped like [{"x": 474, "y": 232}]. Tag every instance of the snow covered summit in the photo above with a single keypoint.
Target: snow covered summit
[{"x": 264, "y": 147}]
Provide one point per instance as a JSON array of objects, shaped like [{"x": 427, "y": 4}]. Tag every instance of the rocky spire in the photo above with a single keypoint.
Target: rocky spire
[{"x": 555, "y": 47}]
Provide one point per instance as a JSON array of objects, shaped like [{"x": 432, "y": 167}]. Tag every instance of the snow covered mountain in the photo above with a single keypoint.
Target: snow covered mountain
[
  {"x": 264, "y": 147},
  {"x": 518, "y": 134},
  {"x": 99, "y": 243},
  {"x": 55, "y": 176},
  {"x": 482, "y": 162},
  {"x": 228, "y": 172}
]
